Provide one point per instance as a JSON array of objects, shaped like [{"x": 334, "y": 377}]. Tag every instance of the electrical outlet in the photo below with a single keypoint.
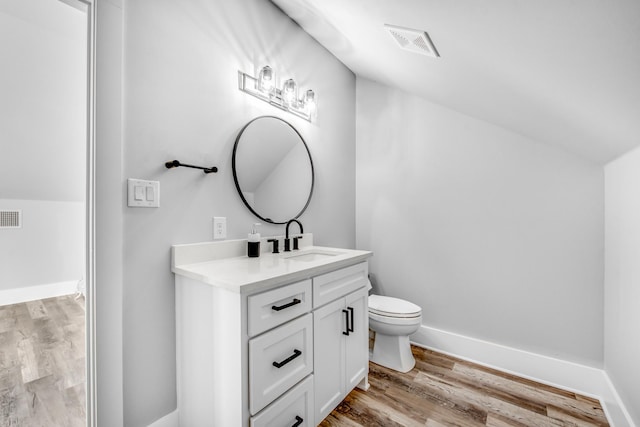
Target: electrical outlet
[{"x": 219, "y": 227}]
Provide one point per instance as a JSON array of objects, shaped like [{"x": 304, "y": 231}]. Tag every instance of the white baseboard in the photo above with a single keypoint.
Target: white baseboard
[
  {"x": 170, "y": 420},
  {"x": 614, "y": 407},
  {"x": 559, "y": 373},
  {"x": 563, "y": 374},
  {"x": 32, "y": 293}
]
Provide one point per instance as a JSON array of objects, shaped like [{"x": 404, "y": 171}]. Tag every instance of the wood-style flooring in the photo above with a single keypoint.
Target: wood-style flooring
[
  {"x": 446, "y": 391},
  {"x": 42, "y": 363}
]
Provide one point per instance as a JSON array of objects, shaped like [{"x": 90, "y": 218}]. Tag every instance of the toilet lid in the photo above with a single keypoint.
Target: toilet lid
[{"x": 393, "y": 307}]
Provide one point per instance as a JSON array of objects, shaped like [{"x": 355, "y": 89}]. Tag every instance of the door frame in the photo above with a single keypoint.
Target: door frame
[
  {"x": 104, "y": 215},
  {"x": 90, "y": 304},
  {"x": 89, "y": 7}
]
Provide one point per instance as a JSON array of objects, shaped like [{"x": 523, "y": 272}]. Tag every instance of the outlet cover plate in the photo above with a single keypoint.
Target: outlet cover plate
[{"x": 219, "y": 227}]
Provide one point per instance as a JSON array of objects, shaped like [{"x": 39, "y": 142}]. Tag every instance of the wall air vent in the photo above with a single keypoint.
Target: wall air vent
[
  {"x": 412, "y": 40},
  {"x": 10, "y": 219}
]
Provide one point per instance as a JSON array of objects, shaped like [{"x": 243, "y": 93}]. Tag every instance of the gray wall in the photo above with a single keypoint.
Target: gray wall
[
  {"x": 495, "y": 236},
  {"x": 182, "y": 102},
  {"x": 42, "y": 141},
  {"x": 48, "y": 249},
  {"x": 43, "y": 102},
  {"x": 622, "y": 290}
]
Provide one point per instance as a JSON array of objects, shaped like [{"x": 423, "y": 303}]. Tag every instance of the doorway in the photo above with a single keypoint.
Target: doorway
[{"x": 45, "y": 205}]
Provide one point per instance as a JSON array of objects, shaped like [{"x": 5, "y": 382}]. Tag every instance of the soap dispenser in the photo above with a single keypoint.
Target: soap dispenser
[{"x": 253, "y": 242}]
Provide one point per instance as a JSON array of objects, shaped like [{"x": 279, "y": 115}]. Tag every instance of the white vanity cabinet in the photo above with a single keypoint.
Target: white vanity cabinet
[{"x": 260, "y": 341}]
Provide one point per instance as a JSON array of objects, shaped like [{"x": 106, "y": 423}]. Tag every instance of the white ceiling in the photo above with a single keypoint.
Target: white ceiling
[{"x": 562, "y": 72}]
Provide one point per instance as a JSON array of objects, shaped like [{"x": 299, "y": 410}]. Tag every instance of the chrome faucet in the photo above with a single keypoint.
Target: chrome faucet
[{"x": 287, "y": 241}]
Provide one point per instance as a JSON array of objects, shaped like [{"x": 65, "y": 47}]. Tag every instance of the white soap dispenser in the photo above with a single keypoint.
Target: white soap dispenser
[{"x": 253, "y": 242}]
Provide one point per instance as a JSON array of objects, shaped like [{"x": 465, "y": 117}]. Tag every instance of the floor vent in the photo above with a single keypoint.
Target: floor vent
[
  {"x": 416, "y": 41},
  {"x": 11, "y": 219}
]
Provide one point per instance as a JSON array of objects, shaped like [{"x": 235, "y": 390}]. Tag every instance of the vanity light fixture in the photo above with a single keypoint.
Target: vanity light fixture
[{"x": 264, "y": 87}]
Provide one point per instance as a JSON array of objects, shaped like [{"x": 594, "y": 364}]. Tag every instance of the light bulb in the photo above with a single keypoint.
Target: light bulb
[
  {"x": 310, "y": 102},
  {"x": 266, "y": 79},
  {"x": 290, "y": 92}
]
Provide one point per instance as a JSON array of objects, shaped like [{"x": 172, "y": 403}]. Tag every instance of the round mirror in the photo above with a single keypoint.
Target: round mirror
[{"x": 272, "y": 169}]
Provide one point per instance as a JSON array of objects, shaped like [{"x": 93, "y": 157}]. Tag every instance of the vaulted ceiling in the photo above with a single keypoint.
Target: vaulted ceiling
[{"x": 561, "y": 72}]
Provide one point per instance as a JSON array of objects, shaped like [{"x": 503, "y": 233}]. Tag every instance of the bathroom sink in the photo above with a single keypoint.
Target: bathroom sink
[{"x": 312, "y": 255}]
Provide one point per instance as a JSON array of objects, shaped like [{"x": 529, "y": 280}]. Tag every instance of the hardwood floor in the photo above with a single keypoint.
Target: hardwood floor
[
  {"x": 446, "y": 391},
  {"x": 42, "y": 383},
  {"x": 42, "y": 363}
]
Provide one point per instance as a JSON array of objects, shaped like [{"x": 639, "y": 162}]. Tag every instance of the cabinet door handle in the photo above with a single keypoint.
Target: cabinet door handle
[
  {"x": 282, "y": 307},
  {"x": 298, "y": 421},
  {"x": 346, "y": 321},
  {"x": 350, "y": 328},
  {"x": 295, "y": 354}
]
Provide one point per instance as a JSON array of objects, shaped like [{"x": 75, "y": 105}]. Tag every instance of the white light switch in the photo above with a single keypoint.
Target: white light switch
[
  {"x": 138, "y": 193},
  {"x": 219, "y": 227},
  {"x": 143, "y": 194}
]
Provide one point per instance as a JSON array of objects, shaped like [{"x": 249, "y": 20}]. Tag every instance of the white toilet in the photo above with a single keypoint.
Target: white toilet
[{"x": 393, "y": 320}]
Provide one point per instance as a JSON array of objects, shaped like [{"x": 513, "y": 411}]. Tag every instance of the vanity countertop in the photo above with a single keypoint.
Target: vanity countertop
[{"x": 243, "y": 274}]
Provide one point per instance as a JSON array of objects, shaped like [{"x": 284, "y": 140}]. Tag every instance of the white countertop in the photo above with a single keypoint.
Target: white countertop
[{"x": 243, "y": 274}]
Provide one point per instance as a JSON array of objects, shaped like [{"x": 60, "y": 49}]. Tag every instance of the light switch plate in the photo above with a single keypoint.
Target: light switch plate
[
  {"x": 219, "y": 227},
  {"x": 143, "y": 194}
]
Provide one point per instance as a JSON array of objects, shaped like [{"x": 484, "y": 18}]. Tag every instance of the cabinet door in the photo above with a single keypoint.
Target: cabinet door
[
  {"x": 357, "y": 342},
  {"x": 329, "y": 322}
]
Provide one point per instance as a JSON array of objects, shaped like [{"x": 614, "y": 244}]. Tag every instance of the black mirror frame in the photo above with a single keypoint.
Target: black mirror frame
[{"x": 235, "y": 173}]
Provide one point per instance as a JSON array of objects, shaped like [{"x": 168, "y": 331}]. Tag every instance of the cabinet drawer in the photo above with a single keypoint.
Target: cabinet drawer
[
  {"x": 294, "y": 408},
  {"x": 279, "y": 359},
  {"x": 339, "y": 283},
  {"x": 277, "y": 306}
]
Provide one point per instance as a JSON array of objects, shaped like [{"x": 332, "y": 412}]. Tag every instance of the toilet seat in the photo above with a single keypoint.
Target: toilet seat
[
  {"x": 390, "y": 320},
  {"x": 389, "y": 307}
]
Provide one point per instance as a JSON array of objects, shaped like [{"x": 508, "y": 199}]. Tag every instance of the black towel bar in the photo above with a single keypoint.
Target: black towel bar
[{"x": 176, "y": 163}]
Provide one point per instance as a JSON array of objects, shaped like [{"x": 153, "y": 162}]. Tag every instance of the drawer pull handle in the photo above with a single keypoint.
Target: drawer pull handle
[
  {"x": 346, "y": 321},
  {"x": 298, "y": 421},
  {"x": 295, "y": 354},
  {"x": 350, "y": 328},
  {"x": 282, "y": 307}
]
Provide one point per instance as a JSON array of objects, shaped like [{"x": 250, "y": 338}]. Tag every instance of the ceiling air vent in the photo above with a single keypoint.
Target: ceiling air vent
[
  {"x": 11, "y": 219},
  {"x": 412, "y": 40}
]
